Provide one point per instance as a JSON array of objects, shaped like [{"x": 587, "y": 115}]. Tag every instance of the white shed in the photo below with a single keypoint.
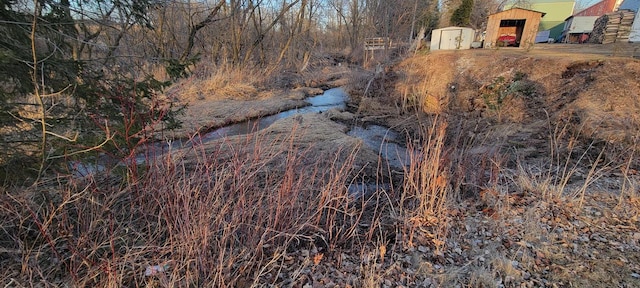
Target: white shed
[{"x": 452, "y": 38}]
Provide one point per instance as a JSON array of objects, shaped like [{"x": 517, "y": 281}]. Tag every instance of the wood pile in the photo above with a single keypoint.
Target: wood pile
[{"x": 612, "y": 27}]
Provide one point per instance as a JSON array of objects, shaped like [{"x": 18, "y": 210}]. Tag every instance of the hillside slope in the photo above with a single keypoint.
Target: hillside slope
[
  {"x": 544, "y": 160},
  {"x": 525, "y": 102}
]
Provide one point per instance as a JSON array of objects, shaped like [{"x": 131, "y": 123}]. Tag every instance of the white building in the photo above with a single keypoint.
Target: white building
[{"x": 452, "y": 38}]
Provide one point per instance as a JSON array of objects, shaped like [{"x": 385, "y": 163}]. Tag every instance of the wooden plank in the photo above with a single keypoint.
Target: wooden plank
[{"x": 378, "y": 43}]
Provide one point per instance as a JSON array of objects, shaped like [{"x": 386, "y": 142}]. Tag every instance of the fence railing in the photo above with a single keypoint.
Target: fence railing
[{"x": 378, "y": 43}]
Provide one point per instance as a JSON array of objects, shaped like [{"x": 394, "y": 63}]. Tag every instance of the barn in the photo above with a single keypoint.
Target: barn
[
  {"x": 634, "y": 6},
  {"x": 452, "y": 38},
  {"x": 515, "y": 27}
]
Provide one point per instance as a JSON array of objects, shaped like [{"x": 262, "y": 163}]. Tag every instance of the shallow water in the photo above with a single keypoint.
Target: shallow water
[
  {"x": 378, "y": 138},
  {"x": 332, "y": 98},
  {"x": 385, "y": 142}
]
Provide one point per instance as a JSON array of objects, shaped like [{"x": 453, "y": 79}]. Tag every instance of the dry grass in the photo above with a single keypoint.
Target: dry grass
[
  {"x": 423, "y": 87},
  {"x": 218, "y": 223},
  {"x": 233, "y": 214},
  {"x": 273, "y": 209},
  {"x": 264, "y": 210},
  {"x": 221, "y": 83},
  {"x": 426, "y": 189},
  {"x": 226, "y": 82}
]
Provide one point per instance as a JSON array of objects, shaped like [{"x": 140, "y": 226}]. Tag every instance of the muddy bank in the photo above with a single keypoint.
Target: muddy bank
[
  {"x": 314, "y": 137},
  {"x": 237, "y": 101},
  {"x": 203, "y": 115}
]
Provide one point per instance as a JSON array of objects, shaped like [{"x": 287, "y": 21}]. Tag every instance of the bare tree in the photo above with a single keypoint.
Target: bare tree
[
  {"x": 350, "y": 17},
  {"x": 481, "y": 11}
]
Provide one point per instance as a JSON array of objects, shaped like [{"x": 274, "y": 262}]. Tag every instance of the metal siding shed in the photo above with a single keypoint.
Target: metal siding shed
[
  {"x": 578, "y": 28},
  {"x": 452, "y": 38},
  {"x": 580, "y": 24}
]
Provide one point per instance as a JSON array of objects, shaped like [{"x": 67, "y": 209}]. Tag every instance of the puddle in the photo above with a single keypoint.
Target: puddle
[{"x": 385, "y": 142}]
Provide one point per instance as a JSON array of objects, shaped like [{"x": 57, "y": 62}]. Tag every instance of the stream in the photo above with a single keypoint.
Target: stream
[
  {"x": 381, "y": 139},
  {"x": 332, "y": 98}
]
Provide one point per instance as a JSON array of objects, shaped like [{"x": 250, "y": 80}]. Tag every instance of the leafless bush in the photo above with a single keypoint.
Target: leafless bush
[{"x": 226, "y": 220}]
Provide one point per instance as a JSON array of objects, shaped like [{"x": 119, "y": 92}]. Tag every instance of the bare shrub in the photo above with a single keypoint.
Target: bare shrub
[
  {"x": 426, "y": 187},
  {"x": 225, "y": 221}
]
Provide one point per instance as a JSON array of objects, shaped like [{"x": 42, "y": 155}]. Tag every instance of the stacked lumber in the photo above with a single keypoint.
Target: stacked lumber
[
  {"x": 626, "y": 21},
  {"x": 612, "y": 27}
]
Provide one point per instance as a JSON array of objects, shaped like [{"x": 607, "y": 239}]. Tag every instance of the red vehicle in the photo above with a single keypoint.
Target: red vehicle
[{"x": 507, "y": 40}]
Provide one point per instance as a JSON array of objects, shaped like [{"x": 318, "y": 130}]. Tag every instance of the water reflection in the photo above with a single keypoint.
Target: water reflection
[
  {"x": 385, "y": 142},
  {"x": 332, "y": 98}
]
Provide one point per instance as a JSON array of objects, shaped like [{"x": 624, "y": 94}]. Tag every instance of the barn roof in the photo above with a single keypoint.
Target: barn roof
[
  {"x": 632, "y": 5},
  {"x": 519, "y": 9}
]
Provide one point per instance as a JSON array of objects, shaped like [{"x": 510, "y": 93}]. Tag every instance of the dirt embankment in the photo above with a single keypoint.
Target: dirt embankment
[
  {"x": 545, "y": 138},
  {"x": 522, "y": 100}
]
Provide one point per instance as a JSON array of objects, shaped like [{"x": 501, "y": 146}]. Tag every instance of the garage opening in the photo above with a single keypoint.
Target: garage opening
[{"x": 510, "y": 32}]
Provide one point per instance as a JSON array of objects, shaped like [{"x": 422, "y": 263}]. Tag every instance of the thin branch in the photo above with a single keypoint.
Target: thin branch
[
  {"x": 75, "y": 137},
  {"x": 106, "y": 140},
  {"x": 36, "y": 89}
]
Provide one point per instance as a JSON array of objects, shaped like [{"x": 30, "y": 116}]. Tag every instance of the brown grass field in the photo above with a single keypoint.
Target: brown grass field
[{"x": 523, "y": 172}]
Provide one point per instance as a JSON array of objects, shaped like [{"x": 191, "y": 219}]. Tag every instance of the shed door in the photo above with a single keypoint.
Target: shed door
[{"x": 450, "y": 39}]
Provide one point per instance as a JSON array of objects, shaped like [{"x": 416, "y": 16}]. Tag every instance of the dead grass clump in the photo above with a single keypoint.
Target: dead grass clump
[
  {"x": 219, "y": 223},
  {"x": 222, "y": 83},
  {"x": 425, "y": 197},
  {"x": 423, "y": 85}
]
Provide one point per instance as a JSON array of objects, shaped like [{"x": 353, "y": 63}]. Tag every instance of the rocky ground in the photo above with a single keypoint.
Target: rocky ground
[{"x": 516, "y": 240}]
